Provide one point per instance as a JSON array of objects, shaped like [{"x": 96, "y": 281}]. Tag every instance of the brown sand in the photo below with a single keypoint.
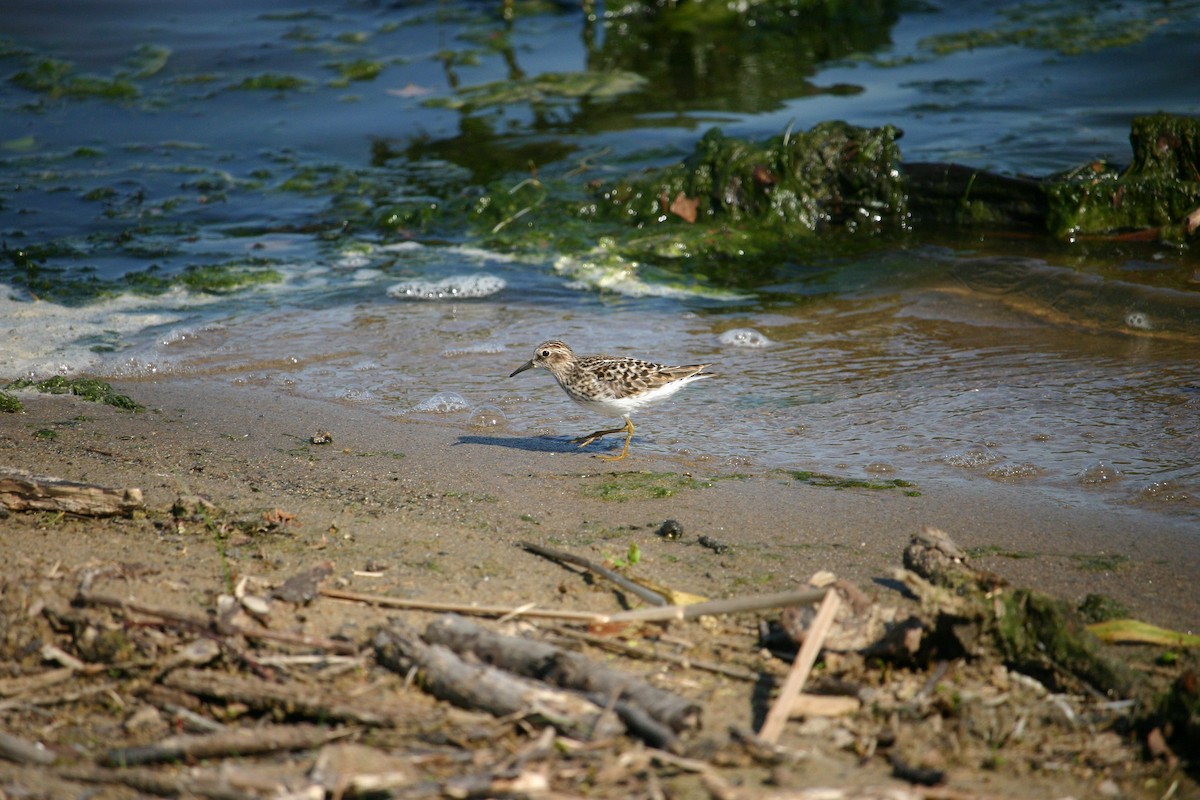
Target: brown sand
[
  {"x": 435, "y": 511},
  {"x": 444, "y": 506}
]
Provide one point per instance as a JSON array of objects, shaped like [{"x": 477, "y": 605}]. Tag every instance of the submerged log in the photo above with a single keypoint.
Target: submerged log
[{"x": 23, "y": 491}]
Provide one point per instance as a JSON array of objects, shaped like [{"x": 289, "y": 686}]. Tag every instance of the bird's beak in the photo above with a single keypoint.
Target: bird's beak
[{"x": 527, "y": 365}]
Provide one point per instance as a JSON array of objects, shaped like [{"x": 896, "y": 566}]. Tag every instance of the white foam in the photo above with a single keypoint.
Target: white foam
[
  {"x": 442, "y": 403},
  {"x": 456, "y": 287},
  {"x": 744, "y": 337},
  {"x": 41, "y": 338},
  {"x": 615, "y": 274}
]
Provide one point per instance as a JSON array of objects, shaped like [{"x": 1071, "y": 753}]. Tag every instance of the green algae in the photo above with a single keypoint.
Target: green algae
[
  {"x": 271, "y": 82},
  {"x": 10, "y": 404},
  {"x": 358, "y": 70},
  {"x": 838, "y": 482},
  {"x": 1158, "y": 190},
  {"x": 1102, "y": 608},
  {"x": 794, "y": 184},
  {"x": 625, "y": 486},
  {"x": 77, "y": 285},
  {"x": 90, "y": 389},
  {"x": 226, "y": 278},
  {"x": 56, "y": 79}
]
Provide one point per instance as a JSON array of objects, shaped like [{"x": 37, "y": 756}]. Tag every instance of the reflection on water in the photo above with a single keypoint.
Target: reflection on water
[{"x": 919, "y": 376}]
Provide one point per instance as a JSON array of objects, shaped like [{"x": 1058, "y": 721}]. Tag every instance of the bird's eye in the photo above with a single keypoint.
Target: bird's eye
[{"x": 545, "y": 354}]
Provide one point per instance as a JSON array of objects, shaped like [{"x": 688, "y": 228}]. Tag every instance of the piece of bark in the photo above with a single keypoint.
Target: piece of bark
[
  {"x": 485, "y": 688},
  {"x": 562, "y": 668},
  {"x": 304, "y": 587},
  {"x": 239, "y": 742},
  {"x": 266, "y": 696},
  {"x": 23, "y": 491},
  {"x": 823, "y": 705}
]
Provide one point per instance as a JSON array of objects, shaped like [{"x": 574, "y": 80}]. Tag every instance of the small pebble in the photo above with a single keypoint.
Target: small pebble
[{"x": 670, "y": 530}]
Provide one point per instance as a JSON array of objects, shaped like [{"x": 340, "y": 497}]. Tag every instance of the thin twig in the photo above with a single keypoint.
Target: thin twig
[
  {"x": 461, "y": 608},
  {"x": 741, "y": 673},
  {"x": 651, "y": 597},
  {"x": 712, "y": 608}
]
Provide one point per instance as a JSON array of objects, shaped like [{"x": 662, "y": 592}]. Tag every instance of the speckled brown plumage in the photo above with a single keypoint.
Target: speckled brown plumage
[{"x": 611, "y": 385}]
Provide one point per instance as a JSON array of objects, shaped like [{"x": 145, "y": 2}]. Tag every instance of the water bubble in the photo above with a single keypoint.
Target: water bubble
[
  {"x": 442, "y": 403},
  {"x": 1166, "y": 491},
  {"x": 1138, "y": 320},
  {"x": 455, "y": 287},
  {"x": 743, "y": 337},
  {"x": 1099, "y": 473},
  {"x": 1014, "y": 473},
  {"x": 486, "y": 416},
  {"x": 879, "y": 468},
  {"x": 975, "y": 456}
]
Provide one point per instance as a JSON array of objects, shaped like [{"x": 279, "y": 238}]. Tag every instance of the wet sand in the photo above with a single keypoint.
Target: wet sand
[{"x": 437, "y": 511}]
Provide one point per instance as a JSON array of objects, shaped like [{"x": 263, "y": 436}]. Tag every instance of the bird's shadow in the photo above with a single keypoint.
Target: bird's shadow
[{"x": 540, "y": 444}]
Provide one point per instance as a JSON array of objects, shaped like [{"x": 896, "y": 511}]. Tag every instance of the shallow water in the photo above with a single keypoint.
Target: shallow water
[{"x": 1031, "y": 366}]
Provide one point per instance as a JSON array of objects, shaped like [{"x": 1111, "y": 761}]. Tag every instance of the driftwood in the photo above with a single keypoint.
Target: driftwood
[
  {"x": 567, "y": 670},
  {"x": 237, "y": 742},
  {"x": 486, "y": 688},
  {"x": 23, "y": 751},
  {"x": 266, "y": 696},
  {"x": 23, "y": 491}
]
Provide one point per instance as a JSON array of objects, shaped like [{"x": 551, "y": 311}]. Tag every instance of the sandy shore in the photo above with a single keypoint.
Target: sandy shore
[{"x": 437, "y": 510}]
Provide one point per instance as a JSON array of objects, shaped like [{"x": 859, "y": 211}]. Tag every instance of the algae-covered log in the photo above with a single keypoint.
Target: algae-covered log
[
  {"x": 794, "y": 184},
  {"x": 838, "y": 176},
  {"x": 733, "y": 210},
  {"x": 1157, "y": 191}
]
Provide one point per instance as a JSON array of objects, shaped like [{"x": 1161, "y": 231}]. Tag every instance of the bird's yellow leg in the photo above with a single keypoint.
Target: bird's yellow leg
[
  {"x": 584, "y": 441},
  {"x": 628, "y": 438}
]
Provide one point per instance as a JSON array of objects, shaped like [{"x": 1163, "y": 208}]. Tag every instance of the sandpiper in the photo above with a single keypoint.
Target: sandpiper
[{"x": 611, "y": 385}]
